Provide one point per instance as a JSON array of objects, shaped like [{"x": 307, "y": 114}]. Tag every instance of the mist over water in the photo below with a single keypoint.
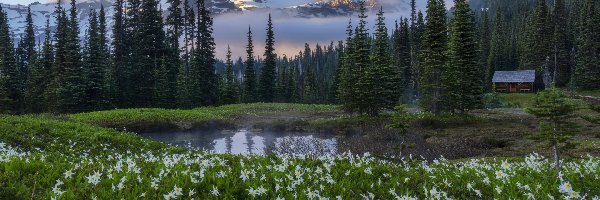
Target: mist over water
[{"x": 291, "y": 33}]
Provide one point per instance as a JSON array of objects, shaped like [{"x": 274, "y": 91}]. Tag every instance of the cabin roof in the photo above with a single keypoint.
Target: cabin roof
[{"x": 523, "y": 76}]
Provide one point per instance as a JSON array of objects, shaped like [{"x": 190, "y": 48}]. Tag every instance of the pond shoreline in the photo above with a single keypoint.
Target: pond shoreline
[{"x": 496, "y": 132}]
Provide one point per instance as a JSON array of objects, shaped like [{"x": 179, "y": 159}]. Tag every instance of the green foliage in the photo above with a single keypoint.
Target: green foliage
[
  {"x": 491, "y": 100},
  {"x": 400, "y": 119},
  {"x": 10, "y": 83},
  {"x": 95, "y": 74},
  {"x": 463, "y": 86},
  {"x": 155, "y": 118},
  {"x": 554, "y": 112},
  {"x": 229, "y": 87},
  {"x": 266, "y": 87},
  {"x": 402, "y": 57},
  {"x": 249, "y": 92},
  {"x": 38, "y": 81},
  {"x": 588, "y": 64},
  {"x": 561, "y": 45},
  {"x": 369, "y": 86},
  {"x": 345, "y": 93},
  {"x": 38, "y": 152},
  {"x": 362, "y": 64},
  {"x": 31, "y": 132},
  {"x": 517, "y": 100},
  {"x": 387, "y": 77},
  {"x": 66, "y": 91},
  {"x": 433, "y": 57},
  {"x": 428, "y": 119}
]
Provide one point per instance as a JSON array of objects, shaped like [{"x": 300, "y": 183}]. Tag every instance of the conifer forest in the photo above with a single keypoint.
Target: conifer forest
[{"x": 421, "y": 99}]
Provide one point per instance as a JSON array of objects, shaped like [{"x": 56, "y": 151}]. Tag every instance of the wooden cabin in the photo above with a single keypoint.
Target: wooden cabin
[{"x": 514, "y": 81}]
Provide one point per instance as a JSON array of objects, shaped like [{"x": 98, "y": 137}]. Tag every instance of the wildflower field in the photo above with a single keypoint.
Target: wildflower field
[{"x": 42, "y": 158}]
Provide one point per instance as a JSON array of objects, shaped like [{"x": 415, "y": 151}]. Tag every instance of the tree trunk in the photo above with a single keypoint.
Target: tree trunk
[
  {"x": 556, "y": 158},
  {"x": 555, "y": 149}
]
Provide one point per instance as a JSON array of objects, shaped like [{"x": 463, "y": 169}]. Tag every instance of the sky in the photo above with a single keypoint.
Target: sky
[
  {"x": 291, "y": 33},
  {"x": 22, "y": 2}
]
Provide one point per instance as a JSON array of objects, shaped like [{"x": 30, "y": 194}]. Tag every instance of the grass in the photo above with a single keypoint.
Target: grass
[
  {"x": 44, "y": 158},
  {"x": 594, "y": 93},
  {"x": 43, "y": 133},
  {"x": 154, "y": 118},
  {"x": 517, "y": 100},
  {"x": 70, "y": 157}
]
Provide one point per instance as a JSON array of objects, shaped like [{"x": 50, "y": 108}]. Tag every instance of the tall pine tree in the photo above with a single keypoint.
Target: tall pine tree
[
  {"x": 588, "y": 61},
  {"x": 403, "y": 57},
  {"x": 249, "y": 93},
  {"x": 462, "y": 76},
  {"x": 267, "y": 76},
  {"x": 119, "y": 70},
  {"x": 361, "y": 58},
  {"x": 433, "y": 56},
  {"x": 10, "y": 95},
  {"x": 560, "y": 45},
  {"x": 384, "y": 75},
  {"x": 172, "y": 60},
  {"x": 229, "y": 92},
  {"x": 204, "y": 60},
  {"x": 66, "y": 92},
  {"x": 39, "y": 76},
  {"x": 95, "y": 66}
]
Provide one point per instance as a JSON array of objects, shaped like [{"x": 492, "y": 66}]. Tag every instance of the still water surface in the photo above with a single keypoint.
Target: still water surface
[{"x": 247, "y": 142}]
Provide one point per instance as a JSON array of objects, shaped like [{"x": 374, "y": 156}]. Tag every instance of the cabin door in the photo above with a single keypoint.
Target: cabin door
[{"x": 513, "y": 87}]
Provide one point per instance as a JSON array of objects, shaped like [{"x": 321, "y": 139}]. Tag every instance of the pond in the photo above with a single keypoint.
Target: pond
[{"x": 251, "y": 142}]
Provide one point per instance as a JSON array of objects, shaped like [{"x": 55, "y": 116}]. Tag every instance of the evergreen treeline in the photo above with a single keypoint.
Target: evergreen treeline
[
  {"x": 146, "y": 64},
  {"x": 444, "y": 59}
]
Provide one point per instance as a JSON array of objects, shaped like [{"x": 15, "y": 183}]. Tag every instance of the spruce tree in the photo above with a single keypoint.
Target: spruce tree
[
  {"x": 229, "y": 94},
  {"x": 561, "y": 48},
  {"x": 39, "y": 76},
  {"x": 462, "y": 76},
  {"x": 27, "y": 47},
  {"x": 588, "y": 64},
  {"x": 433, "y": 56},
  {"x": 163, "y": 95},
  {"x": 95, "y": 66},
  {"x": 347, "y": 81},
  {"x": 417, "y": 32},
  {"x": 109, "y": 85},
  {"x": 149, "y": 51},
  {"x": 496, "y": 60},
  {"x": 119, "y": 72},
  {"x": 189, "y": 34},
  {"x": 538, "y": 49},
  {"x": 204, "y": 60},
  {"x": 554, "y": 111},
  {"x": 403, "y": 56},
  {"x": 10, "y": 95},
  {"x": 384, "y": 75},
  {"x": 132, "y": 56},
  {"x": 308, "y": 77},
  {"x": 74, "y": 96},
  {"x": 292, "y": 86},
  {"x": 66, "y": 92},
  {"x": 175, "y": 23},
  {"x": 267, "y": 75},
  {"x": 361, "y": 59},
  {"x": 249, "y": 93},
  {"x": 484, "y": 47}
]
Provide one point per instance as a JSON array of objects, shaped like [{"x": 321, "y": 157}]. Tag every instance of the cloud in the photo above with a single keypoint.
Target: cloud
[{"x": 291, "y": 33}]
